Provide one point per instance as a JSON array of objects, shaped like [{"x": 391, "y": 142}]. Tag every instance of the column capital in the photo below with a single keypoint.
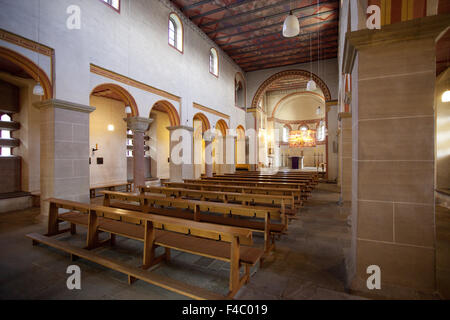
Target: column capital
[
  {"x": 180, "y": 128},
  {"x": 61, "y": 104},
  {"x": 427, "y": 27},
  {"x": 138, "y": 124},
  {"x": 343, "y": 115}
]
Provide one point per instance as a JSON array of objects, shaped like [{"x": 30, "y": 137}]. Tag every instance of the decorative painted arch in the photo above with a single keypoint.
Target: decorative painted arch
[
  {"x": 205, "y": 122},
  {"x": 222, "y": 126},
  {"x": 287, "y": 75},
  {"x": 126, "y": 97},
  {"x": 31, "y": 68},
  {"x": 240, "y": 131},
  {"x": 174, "y": 118},
  {"x": 279, "y": 103}
]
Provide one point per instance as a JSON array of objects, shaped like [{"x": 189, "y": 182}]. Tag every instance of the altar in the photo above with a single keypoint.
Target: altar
[{"x": 296, "y": 162}]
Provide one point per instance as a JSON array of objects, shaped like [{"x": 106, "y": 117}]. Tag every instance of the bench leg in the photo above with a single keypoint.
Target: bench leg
[
  {"x": 149, "y": 248},
  {"x": 234, "y": 267},
  {"x": 131, "y": 280},
  {"x": 112, "y": 240},
  {"x": 167, "y": 255},
  {"x": 73, "y": 229}
]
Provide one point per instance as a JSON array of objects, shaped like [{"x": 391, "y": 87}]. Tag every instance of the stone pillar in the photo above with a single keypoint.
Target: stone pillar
[
  {"x": 345, "y": 156},
  {"x": 393, "y": 162},
  {"x": 230, "y": 157},
  {"x": 64, "y": 130},
  {"x": 139, "y": 126},
  {"x": 208, "y": 138},
  {"x": 181, "y": 153}
]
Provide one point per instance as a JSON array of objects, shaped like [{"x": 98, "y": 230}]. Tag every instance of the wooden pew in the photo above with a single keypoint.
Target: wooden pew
[
  {"x": 303, "y": 189},
  {"x": 296, "y": 193},
  {"x": 244, "y": 198},
  {"x": 110, "y": 187},
  {"x": 152, "y": 230},
  {"x": 306, "y": 182},
  {"x": 147, "y": 203}
]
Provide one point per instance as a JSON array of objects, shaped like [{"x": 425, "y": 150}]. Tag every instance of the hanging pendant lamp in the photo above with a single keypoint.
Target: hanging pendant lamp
[
  {"x": 38, "y": 90},
  {"x": 291, "y": 26},
  {"x": 446, "y": 96}
]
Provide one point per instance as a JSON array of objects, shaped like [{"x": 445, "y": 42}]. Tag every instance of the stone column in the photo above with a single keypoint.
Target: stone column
[
  {"x": 64, "y": 130},
  {"x": 138, "y": 126},
  {"x": 345, "y": 156},
  {"x": 230, "y": 150},
  {"x": 393, "y": 162},
  {"x": 208, "y": 138},
  {"x": 181, "y": 153}
]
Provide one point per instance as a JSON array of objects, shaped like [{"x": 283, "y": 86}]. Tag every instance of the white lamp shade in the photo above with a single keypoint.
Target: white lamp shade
[
  {"x": 128, "y": 110},
  {"x": 110, "y": 127},
  {"x": 319, "y": 110},
  {"x": 291, "y": 27},
  {"x": 38, "y": 90},
  {"x": 446, "y": 96},
  {"x": 311, "y": 86}
]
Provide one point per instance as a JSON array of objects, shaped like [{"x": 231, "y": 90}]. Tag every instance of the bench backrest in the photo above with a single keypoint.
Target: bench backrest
[
  {"x": 223, "y": 232},
  {"x": 146, "y": 201},
  {"x": 238, "y": 188},
  {"x": 248, "y": 183},
  {"x": 218, "y": 194}
]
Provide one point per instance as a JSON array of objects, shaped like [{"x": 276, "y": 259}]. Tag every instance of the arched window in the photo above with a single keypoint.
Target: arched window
[
  {"x": 175, "y": 32},
  {"x": 214, "y": 62},
  {"x": 304, "y": 128},
  {"x": 321, "y": 131},
  {"x": 286, "y": 132}
]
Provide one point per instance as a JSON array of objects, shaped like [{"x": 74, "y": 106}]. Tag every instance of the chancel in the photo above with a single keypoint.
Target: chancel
[{"x": 226, "y": 149}]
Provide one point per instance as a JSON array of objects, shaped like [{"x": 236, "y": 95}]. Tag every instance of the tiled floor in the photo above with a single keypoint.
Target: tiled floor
[{"x": 308, "y": 263}]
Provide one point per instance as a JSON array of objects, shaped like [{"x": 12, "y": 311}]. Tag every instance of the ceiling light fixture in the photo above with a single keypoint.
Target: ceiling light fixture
[
  {"x": 291, "y": 26},
  {"x": 446, "y": 96},
  {"x": 128, "y": 110},
  {"x": 311, "y": 86},
  {"x": 38, "y": 90}
]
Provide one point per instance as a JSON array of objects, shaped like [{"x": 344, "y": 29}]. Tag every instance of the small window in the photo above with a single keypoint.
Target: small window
[
  {"x": 129, "y": 153},
  {"x": 304, "y": 128},
  {"x": 214, "y": 62},
  {"x": 5, "y": 152},
  {"x": 321, "y": 133},
  {"x": 5, "y": 118},
  {"x": 115, "y": 4},
  {"x": 175, "y": 32},
  {"x": 286, "y": 133}
]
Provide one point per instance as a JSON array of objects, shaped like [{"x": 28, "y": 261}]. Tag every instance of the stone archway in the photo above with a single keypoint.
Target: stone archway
[
  {"x": 122, "y": 93},
  {"x": 31, "y": 68},
  {"x": 287, "y": 75}
]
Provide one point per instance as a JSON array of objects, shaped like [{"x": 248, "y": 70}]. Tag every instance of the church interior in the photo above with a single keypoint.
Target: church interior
[{"x": 224, "y": 149}]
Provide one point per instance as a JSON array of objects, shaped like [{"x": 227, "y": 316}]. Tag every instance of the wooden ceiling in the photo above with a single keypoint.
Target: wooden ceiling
[{"x": 250, "y": 31}]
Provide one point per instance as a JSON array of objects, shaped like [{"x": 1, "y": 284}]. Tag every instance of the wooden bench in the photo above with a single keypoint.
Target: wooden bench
[
  {"x": 296, "y": 193},
  {"x": 153, "y": 231},
  {"x": 303, "y": 189},
  {"x": 110, "y": 187},
  {"x": 306, "y": 184},
  {"x": 147, "y": 203},
  {"x": 245, "y": 199}
]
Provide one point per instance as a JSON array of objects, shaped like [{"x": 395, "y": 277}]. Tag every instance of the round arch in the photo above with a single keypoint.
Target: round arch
[
  {"x": 31, "y": 68},
  {"x": 282, "y": 100},
  {"x": 174, "y": 118},
  {"x": 287, "y": 75},
  {"x": 205, "y": 122},
  {"x": 240, "y": 128},
  {"x": 126, "y": 97},
  {"x": 222, "y": 126}
]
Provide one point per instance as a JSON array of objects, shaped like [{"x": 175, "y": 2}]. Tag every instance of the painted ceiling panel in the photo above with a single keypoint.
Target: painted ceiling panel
[{"x": 249, "y": 31}]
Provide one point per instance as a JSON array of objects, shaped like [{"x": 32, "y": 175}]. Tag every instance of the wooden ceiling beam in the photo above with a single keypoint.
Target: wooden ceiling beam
[
  {"x": 258, "y": 57},
  {"x": 279, "y": 32},
  {"x": 278, "y": 24},
  {"x": 230, "y": 6},
  {"x": 284, "y": 47},
  {"x": 281, "y": 40},
  {"x": 281, "y": 14}
]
